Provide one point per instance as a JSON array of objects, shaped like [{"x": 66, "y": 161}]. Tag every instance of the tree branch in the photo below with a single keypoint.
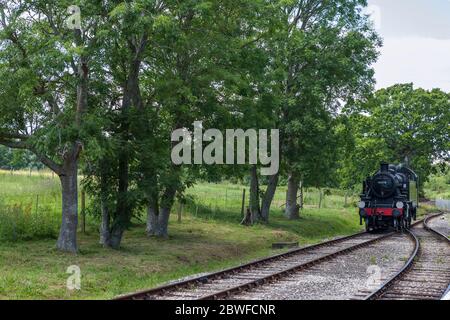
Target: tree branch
[{"x": 15, "y": 143}]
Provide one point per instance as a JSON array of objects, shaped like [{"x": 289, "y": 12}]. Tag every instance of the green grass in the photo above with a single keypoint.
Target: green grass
[
  {"x": 29, "y": 205},
  {"x": 438, "y": 187},
  {"x": 34, "y": 269},
  {"x": 209, "y": 237}
]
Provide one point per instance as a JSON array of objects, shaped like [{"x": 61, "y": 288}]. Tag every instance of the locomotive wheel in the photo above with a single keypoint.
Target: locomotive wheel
[
  {"x": 396, "y": 225},
  {"x": 367, "y": 225}
]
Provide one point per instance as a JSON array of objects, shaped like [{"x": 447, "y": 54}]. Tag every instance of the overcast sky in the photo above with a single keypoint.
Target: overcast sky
[{"x": 416, "y": 47}]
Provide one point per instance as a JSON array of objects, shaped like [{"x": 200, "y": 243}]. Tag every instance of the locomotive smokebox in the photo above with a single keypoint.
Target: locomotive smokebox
[{"x": 384, "y": 167}]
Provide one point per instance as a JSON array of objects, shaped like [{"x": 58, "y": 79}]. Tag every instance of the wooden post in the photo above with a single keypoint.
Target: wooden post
[
  {"x": 226, "y": 198},
  {"x": 243, "y": 203},
  {"x": 180, "y": 210},
  {"x": 37, "y": 203},
  {"x": 83, "y": 211},
  {"x": 345, "y": 199},
  {"x": 320, "y": 198}
]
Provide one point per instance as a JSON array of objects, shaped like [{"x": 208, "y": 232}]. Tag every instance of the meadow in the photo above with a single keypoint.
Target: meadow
[{"x": 207, "y": 237}]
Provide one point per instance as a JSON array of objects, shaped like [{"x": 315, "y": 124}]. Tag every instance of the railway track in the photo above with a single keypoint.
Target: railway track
[
  {"x": 426, "y": 275},
  {"x": 428, "y": 261},
  {"x": 225, "y": 283}
]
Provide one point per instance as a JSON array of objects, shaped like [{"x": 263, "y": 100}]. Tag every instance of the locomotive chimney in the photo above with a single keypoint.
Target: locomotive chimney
[{"x": 384, "y": 167}]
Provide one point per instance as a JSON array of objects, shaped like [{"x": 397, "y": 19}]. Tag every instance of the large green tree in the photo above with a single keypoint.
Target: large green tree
[
  {"x": 320, "y": 58},
  {"x": 44, "y": 74},
  {"x": 400, "y": 124}
]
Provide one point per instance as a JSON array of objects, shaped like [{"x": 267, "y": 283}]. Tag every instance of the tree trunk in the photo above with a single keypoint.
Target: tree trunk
[
  {"x": 254, "y": 195},
  {"x": 268, "y": 197},
  {"x": 116, "y": 236},
  {"x": 166, "y": 205},
  {"x": 105, "y": 235},
  {"x": 292, "y": 208},
  {"x": 247, "y": 221},
  {"x": 152, "y": 220},
  {"x": 131, "y": 99},
  {"x": 67, "y": 240},
  {"x": 162, "y": 230},
  {"x": 300, "y": 202}
]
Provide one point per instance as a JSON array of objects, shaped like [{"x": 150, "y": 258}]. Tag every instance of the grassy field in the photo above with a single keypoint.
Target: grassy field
[{"x": 208, "y": 238}]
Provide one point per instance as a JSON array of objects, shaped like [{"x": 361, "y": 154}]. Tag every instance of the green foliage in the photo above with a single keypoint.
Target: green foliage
[
  {"x": 14, "y": 159},
  {"x": 438, "y": 184},
  {"x": 399, "y": 123},
  {"x": 319, "y": 68},
  {"x": 156, "y": 66}
]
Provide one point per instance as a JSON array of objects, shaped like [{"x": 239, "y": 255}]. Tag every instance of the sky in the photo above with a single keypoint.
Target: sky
[{"x": 416, "y": 36}]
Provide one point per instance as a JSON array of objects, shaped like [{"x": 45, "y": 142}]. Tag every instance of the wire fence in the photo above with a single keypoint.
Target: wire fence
[
  {"x": 213, "y": 200},
  {"x": 30, "y": 205},
  {"x": 30, "y": 202},
  {"x": 443, "y": 204}
]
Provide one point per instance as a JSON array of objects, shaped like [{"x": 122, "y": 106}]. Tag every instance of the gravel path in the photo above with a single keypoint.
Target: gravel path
[{"x": 350, "y": 276}]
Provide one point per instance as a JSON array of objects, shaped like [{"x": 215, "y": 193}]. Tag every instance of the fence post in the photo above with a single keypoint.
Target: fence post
[
  {"x": 243, "y": 203},
  {"x": 226, "y": 198},
  {"x": 37, "y": 203},
  {"x": 180, "y": 210},
  {"x": 320, "y": 198},
  {"x": 83, "y": 211},
  {"x": 345, "y": 198}
]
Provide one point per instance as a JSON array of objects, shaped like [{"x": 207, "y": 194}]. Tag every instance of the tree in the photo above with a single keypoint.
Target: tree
[
  {"x": 321, "y": 58},
  {"x": 401, "y": 124},
  {"x": 175, "y": 64},
  {"x": 44, "y": 75}
]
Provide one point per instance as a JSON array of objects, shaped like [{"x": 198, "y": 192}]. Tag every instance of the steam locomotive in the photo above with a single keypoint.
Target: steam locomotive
[{"x": 389, "y": 199}]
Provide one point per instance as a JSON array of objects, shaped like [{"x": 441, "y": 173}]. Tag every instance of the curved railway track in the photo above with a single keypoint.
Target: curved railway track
[
  {"x": 222, "y": 284},
  {"x": 426, "y": 275}
]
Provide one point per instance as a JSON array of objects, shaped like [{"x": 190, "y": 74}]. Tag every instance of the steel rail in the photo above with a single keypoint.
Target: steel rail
[
  {"x": 215, "y": 275},
  {"x": 273, "y": 277},
  {"x": 427, "y": 226},
  {"x": 190, "y": 283},
  {"x": 439, "y": 234},
  {"x": 407, "y": 266},
  {"x": 277, "y": 275}
]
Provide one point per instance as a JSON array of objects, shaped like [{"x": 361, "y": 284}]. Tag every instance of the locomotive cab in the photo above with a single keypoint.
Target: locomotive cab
[{"x": 389, "y": 198}]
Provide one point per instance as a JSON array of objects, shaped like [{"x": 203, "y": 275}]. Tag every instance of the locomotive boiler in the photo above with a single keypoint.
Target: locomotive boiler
[{"x": 390, "y": 198}]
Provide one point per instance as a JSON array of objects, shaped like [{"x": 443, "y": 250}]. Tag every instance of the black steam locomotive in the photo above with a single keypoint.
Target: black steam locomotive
[{"x": 389, "y": 198}]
